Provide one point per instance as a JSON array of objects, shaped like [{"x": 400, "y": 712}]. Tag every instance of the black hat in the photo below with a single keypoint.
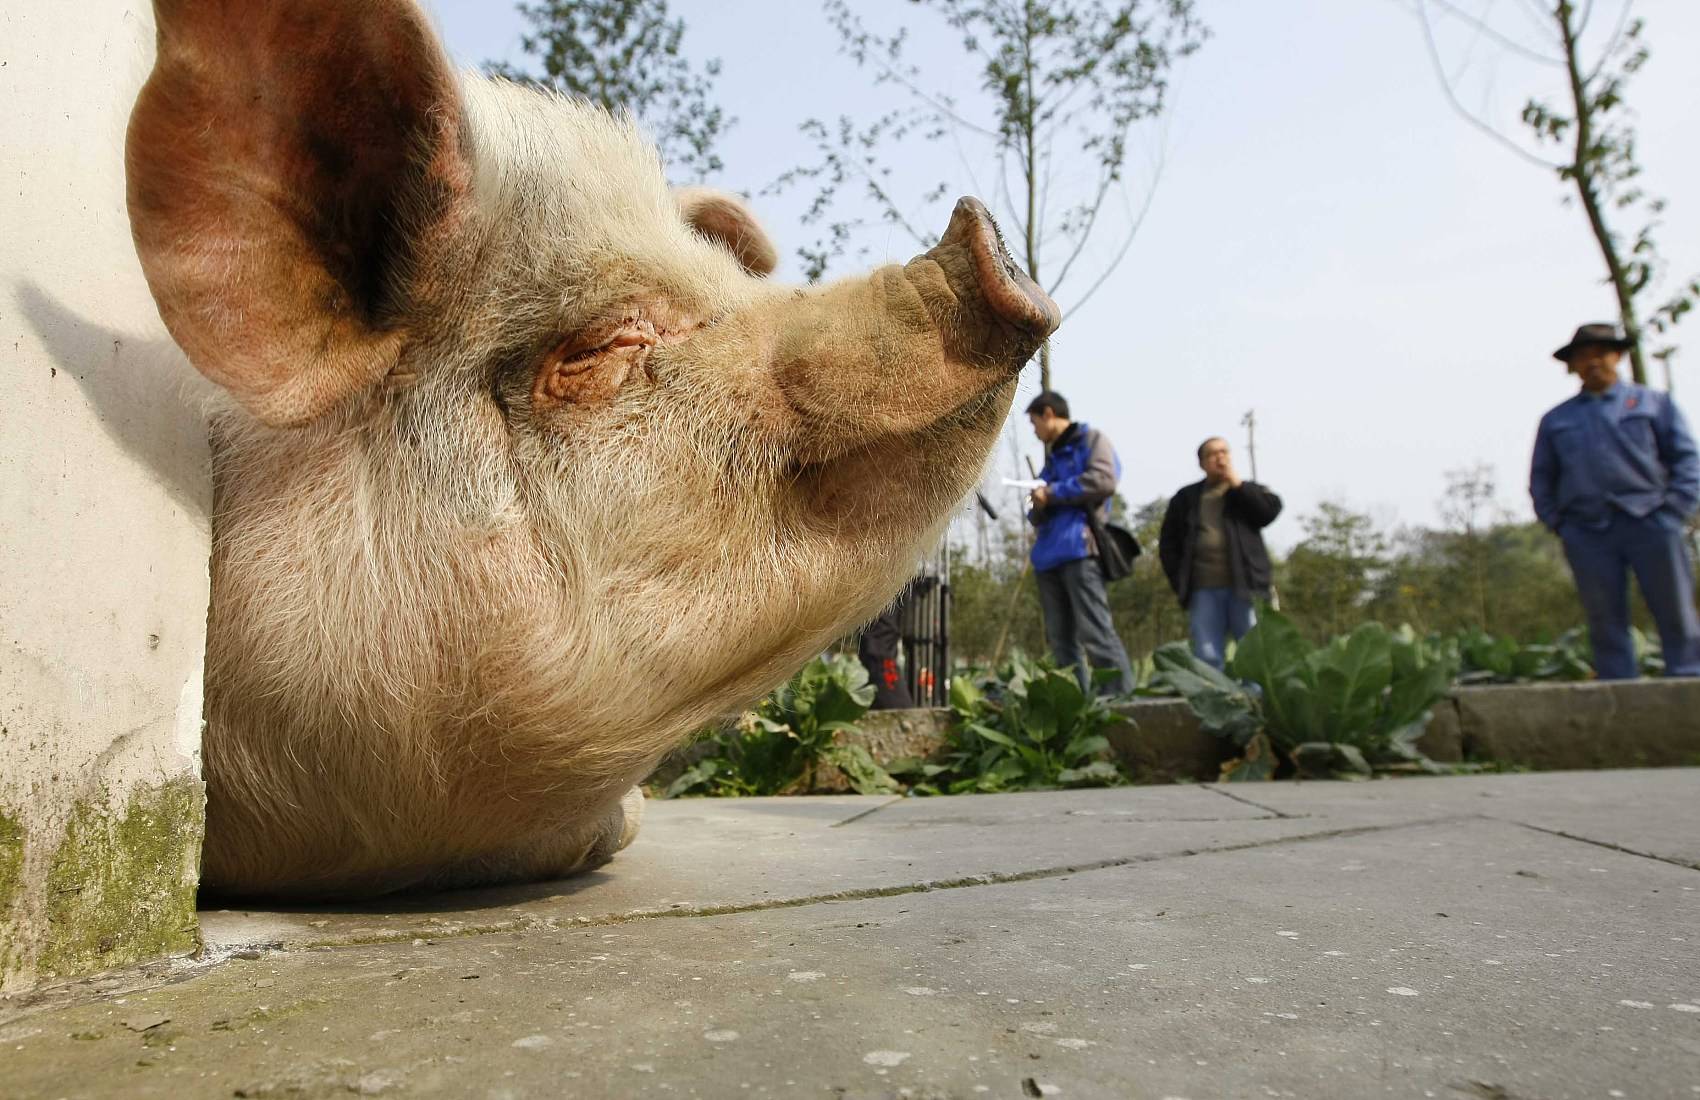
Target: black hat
[{"x": 1607, "y": 335}]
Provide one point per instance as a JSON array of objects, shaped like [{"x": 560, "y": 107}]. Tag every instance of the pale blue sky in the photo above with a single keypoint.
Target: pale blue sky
[{"x": 1329, "y": 243}]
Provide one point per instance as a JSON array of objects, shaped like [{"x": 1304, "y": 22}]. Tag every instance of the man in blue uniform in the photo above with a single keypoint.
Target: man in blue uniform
[
  {"x": 1616, "y": 476},
  {"x": 1081, "y": 471}
]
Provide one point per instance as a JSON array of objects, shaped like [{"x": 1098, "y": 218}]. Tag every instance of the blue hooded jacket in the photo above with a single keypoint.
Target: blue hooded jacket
[{"x": 1081, "y": 472}]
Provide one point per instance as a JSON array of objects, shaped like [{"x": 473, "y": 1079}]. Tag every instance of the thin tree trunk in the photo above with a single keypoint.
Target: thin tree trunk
[
  {"x": 1009, "y": 612},
  {"x": 1582, "y": 171},
  {"x": 1030, "y": 172}
]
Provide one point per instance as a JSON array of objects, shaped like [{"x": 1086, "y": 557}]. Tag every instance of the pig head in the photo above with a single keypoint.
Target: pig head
[{"x": 524, "y": 469}]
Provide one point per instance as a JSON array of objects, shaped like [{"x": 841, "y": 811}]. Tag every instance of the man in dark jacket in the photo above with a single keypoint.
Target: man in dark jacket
[
  {"x": 1081, "y": 471},
  {"x": 1212, "y": 550}
]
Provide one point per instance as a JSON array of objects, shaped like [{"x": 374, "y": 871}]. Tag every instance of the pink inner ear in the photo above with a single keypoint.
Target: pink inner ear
[
  {"x": 272, "y": 158},
  {"x": 726, "y": 221}
]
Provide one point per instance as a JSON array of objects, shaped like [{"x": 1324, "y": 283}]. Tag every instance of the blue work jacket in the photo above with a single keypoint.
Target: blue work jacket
[
  {"x": 1081, "y": 472},
  {"x": 1628, "y": 449}
]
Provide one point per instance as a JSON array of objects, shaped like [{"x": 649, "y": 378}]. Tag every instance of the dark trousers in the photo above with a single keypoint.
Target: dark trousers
[
  {"x": 1601, "y": 561},
  {"x": 878, "y": 649},
  {"x": 1077, "y": 623}
]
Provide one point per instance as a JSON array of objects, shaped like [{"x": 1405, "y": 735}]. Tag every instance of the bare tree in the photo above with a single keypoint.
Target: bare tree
[
  {"x": 1471, "y": 512},
  {"x": 1591, "y": 123},
  {"x": 1062, "y": 84},
  {"x": 627, "y": 55}
]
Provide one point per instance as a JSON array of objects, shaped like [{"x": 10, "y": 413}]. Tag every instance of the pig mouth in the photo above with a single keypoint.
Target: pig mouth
[{"x": 1009, "y": 292}]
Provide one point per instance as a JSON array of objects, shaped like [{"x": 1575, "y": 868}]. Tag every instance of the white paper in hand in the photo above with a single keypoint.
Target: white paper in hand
[{"x": 1024, "y": 483}]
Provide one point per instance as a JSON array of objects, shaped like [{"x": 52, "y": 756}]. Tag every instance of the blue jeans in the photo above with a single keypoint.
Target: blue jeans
[
  {"x": 1077, "y": 623},
  {"x": 1601, "y": 561},
  {"x": 1215, "y": 613}
]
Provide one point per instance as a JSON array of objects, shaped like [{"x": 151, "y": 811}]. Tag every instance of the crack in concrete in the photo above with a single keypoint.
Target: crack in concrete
[
  {"x": 867, "y": 812},
  {"x": 529, "y": 923},
  {"x": 169, "y": 972},
  {"x": 1133, "y": 819},
  {"x": 1255, "y": 805},
  {"x": 1609, "y": 845}
]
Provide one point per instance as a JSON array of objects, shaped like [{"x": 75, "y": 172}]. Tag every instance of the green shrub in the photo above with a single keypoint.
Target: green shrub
[
  {"x": 1343, "y": 708},
  {"x": 1029, "y": 727},
  {"x": 1485, "y": 659},
  {"x": 779, "y": 747}
]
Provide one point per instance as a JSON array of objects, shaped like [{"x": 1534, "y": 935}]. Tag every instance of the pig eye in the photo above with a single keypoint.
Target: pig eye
[{"x": 572, "y": 373}]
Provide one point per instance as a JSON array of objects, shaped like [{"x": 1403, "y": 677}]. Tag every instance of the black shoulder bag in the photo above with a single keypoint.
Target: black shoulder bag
[{"x": 1117, "y": 546}]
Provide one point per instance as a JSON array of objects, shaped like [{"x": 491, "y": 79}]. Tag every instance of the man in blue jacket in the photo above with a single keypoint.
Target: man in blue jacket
[
  {"x": 1616, "y": 475},
  {"x": 1081, "y": 471}
]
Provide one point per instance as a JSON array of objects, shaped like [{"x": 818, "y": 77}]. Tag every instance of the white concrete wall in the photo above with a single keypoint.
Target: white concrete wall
[{"x": 104, "y": 499}]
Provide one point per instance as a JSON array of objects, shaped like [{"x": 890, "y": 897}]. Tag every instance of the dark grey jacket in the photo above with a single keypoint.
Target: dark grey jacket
[{"x": 1246, "y": 511}]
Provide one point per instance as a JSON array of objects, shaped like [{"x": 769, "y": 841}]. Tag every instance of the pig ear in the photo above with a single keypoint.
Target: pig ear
[
  {"x": 726, "y": 221},
  {"x": 288, "y": 165}
]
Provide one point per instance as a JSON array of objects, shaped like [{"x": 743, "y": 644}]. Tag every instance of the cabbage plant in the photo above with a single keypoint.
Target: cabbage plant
[{"x": 1344, "y": 708}]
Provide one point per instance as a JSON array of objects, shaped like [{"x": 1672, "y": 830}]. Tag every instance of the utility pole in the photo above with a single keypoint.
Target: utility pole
[{"x": 1249, "y": 422}]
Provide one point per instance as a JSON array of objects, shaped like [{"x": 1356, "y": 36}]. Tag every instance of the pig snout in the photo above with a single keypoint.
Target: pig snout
[
  {"x": 972, "y": 251},
  {"x": 901, "y": 350}
]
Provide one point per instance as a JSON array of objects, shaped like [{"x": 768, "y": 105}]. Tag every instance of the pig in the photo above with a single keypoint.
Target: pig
[{"x": 523, "y": 467}]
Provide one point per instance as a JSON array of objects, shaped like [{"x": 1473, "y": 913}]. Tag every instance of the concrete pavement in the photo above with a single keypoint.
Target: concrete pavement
[{"x": 1519, "y": 936}]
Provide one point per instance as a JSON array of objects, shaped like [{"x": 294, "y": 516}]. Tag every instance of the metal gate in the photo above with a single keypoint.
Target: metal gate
[{"x": 923, "y": 620}]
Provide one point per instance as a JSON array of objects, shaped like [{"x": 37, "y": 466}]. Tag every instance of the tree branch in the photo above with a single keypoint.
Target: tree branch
[
  {"x": 1611, "y": 43},
  {"x": 1127, "y": 243},
  {"x": 893, "y": 214},
  {"x": 1587, "y": 14},
  {"x": 1542, "y": 20},
  {"x": 1104, "y": 184},
  {"x": 1498, "y": 36},
  {"x": 1457, "y": 104},
  {"x": 1008, "y": 197},
  {"x": 1044, "y": 186},
  {"x": 902, "y": 79}
]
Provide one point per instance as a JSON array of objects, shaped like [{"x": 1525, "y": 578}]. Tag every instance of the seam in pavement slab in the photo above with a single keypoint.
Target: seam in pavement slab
[
  {"x": 870, "y": 810},
  {"x": 1255, "y": 805},
  {"x": 174, "y": 971},
  {"x": 1164, "y": 819},
  {"x": 1672, "y": 860},
  {"x": 987, "y": 878}
]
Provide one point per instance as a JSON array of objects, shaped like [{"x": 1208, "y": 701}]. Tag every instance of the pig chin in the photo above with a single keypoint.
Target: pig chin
[{"x": 903, "y": 488}]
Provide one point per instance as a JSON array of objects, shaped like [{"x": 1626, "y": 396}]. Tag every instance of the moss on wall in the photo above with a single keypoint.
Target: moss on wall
[
  {"x": 121, "y": 887},
  {"x": 11, "y": 859},
  {"x": 11, "y": 877}
]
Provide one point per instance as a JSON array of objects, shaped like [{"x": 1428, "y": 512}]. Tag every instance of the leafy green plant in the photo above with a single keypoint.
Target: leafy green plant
[
  {"x": 1485, "y": 659},
  {"x": 1031, "y": 726},
  {"x": 779, "y": 747},
  {"x": 1343, "y": 708},
  {"x": 1648, "y": 654}
]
